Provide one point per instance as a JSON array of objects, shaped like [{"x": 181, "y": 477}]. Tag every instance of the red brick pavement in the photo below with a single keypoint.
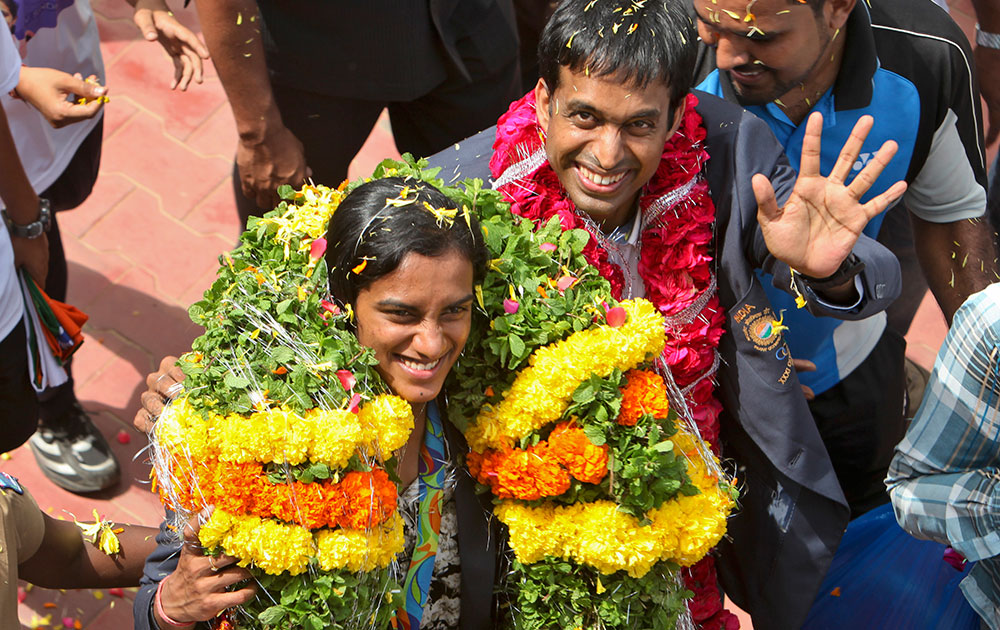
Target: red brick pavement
[{"x": 144, "y": 246}]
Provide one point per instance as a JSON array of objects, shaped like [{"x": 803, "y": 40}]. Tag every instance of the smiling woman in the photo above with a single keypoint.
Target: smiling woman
[
  {"x": 297, "y": 463},
  {"x": 402, "y": 255}
]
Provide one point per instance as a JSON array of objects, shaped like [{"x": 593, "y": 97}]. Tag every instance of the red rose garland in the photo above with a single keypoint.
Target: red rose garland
[{"x": 674, "y": 264}]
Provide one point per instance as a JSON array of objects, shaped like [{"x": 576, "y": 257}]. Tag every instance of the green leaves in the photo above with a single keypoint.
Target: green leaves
[
  {"x": 267, "y": 336},
  {"x": 319, "y": 600},
  {"x": 554, "y": 593}
]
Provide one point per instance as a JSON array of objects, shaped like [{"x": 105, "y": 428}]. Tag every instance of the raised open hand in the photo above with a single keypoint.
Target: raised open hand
[{"x": 823, "y": 218}]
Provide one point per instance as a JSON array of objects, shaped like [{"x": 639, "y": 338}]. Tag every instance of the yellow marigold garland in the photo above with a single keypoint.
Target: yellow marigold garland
[
  {"x": 542, "y": 390},
  {"x": 278, "y": 435},
  {"x": 275, "y": 547},
  {"x": 682, "y": 530}
]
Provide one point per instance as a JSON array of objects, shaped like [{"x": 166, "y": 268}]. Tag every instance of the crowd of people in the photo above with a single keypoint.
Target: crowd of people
[{"x": 845, "y": 171}]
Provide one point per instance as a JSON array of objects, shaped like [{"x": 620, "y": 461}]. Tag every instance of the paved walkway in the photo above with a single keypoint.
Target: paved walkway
[{"x": 143, "y": 248}]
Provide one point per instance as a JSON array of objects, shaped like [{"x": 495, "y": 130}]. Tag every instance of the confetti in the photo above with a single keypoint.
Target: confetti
[{"x": 835, "y": 592}]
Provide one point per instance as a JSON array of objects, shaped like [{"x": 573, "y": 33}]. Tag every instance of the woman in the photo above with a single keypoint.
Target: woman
[{"x": 408, "y": 270}]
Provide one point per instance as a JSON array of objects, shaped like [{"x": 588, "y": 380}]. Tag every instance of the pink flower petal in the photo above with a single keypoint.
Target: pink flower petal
[
  {"x": 564, "y": 283},
  {"x": 616, "y": 317},
  {"x": 510, "y": 306},
  {"x": 123, "y": 437},
  {"x": 68, "y": 622},
  {"x": 116, "y": 591},
  {"x": 347, "y": 380},
  {"x": 330, "y": 307},
  {"x": 548, "y": 247},
  {"x": 317, "y": 249},
  {"x": 22, "y": 594},
  {"x": 355, "y": 405},
  {"x": 955, "y": 559}
]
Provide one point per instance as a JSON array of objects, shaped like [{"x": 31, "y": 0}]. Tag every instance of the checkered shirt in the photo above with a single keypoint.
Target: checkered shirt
[{"x": 945, "y": 477}]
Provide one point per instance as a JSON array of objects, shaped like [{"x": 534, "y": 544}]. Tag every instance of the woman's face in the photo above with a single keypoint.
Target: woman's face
[{"x": 417, "y": 320}]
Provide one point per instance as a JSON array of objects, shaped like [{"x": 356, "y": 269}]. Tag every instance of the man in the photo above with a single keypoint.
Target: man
[
  {"x": 307, "y": 80},
  {"x": 943, "y": 480},
  {"x": 908, "y": 64},
  {"x": 613, "y": 91},
  {"x": 59, "y": 141}
]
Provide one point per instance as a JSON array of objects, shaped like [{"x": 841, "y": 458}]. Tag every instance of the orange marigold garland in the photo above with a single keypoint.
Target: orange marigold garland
[{"x": 643, "y": 394}]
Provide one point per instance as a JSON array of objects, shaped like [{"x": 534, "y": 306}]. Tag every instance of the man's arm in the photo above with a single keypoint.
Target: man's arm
[
  {"x": 65, "y": 560},
  {"x": 943, "y": 480},
  {"x": 22, "y": 206},
  {"x": 268, "y": 154},
  {"x": 957, "y": 259},
  {"x": 988, "y": 65}
]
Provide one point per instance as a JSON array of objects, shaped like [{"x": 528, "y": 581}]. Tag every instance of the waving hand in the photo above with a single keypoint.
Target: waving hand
[{"x": 823, "y": 218}]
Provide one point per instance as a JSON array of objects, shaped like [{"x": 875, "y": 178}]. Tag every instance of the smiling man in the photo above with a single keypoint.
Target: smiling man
[
  {"x": 685, "y": 196},
  {"x": 906, "y": 63}
]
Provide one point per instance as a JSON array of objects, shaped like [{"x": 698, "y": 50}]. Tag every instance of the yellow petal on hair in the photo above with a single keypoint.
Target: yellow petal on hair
[{"x": 358, "y": 269}]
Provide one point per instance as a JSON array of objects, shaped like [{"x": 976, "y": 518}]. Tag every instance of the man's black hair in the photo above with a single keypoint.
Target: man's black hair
[
  {"x": 635, "y": 41},
  {"x": 368, "y": 238}
]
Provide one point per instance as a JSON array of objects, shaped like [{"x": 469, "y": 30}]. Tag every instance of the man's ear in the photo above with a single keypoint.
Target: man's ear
[
  {"x": 542, "y": 102},
  {"x": 836, "y": 12},
  {"x": 678, "y": 116}
]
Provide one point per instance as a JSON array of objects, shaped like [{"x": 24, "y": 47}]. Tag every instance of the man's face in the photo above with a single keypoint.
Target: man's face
[
  {"x": 604, "y": 139},
  {"x": 769, "y": 47}
]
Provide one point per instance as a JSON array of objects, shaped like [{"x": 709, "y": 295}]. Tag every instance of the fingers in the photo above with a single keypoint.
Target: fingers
[
  {"x": 811, "y": 142},
  {"x": 767, "y": 205},
  {"x": 144, "y": 421},
  {"x": 866, "y": 178},
  {"x": 851, "y": 149},
  {"x": 143, "y": 18},
  {"x": 803, "y": 365},
  {"x": 880, "y": 203},
  {"x": 808, "y": 392}
]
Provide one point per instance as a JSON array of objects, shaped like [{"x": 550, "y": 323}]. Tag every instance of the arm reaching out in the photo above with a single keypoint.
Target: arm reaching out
[
  {"x": 268, "y": 154},
  {"x": 65, "y": 560},
  {"x": 157, "y": 23},
  {"x": 821, "y": 221},
  {"x": 61, "y": 98}
]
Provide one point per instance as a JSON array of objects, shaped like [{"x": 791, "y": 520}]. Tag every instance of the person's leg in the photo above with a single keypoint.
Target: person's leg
[
  {"x": 861, "y": 421},
  {"x": 456, "y": 109},
  {"x": 331, "y": 129},
  {"x": 67, "y": 446},
  {"x": 17, "y": 398}
]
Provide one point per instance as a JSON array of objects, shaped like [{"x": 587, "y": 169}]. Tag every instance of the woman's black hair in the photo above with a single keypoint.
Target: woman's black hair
[{"x": 382, "y": 221}]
